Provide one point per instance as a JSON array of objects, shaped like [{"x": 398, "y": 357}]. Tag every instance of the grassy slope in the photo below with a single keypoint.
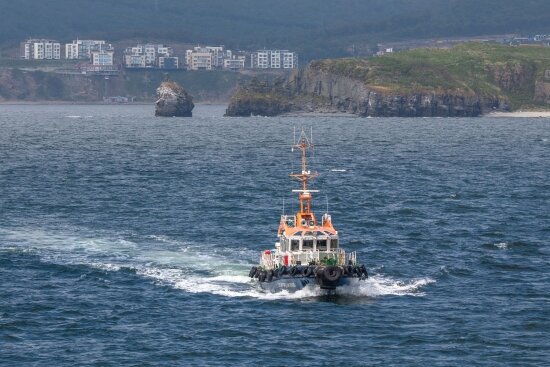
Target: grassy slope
[{"x": 466, "y": 69}]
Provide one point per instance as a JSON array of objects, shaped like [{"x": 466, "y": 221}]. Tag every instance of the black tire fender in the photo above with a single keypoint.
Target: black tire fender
[
  {"x": 262, "y": 276},
  {"x": 252, "y": 272},
  {"x": 332, "y": 273},
  {"x": 348, "y": 270},
  {"x": 364, "y": 271}
]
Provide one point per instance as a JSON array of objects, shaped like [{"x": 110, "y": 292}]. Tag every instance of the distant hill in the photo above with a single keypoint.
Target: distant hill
[{"x": 315, "y": 28}]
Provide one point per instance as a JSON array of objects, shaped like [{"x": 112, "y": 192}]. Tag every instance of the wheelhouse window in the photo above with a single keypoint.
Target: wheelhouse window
[
  {"x": 294, "y": 245},
  {"x": 284, "y": 244},
  {"x": 307, "y": 244},
  {"x": 322, "y": 245},
  {"x": 334, "y": 243}
]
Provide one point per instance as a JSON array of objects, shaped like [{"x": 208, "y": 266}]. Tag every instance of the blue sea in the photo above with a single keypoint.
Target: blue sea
[{"x": 126, "y": 240}]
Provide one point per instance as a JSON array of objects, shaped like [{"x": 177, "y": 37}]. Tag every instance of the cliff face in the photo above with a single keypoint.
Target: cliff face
[
  {"x": 348, "y": 95},
  {"x": 39, "y": 86},
  {"x": 468, "y": 80},
  {"x": 260, "y": 98}
]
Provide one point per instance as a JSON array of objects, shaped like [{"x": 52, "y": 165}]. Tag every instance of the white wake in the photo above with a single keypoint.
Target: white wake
[{"x": 184, "y": 266}]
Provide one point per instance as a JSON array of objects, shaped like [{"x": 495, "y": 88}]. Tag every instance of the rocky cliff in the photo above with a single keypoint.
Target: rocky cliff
[
  {"x": 259, "y": 98},
  {"x": 468, "y": 80},
  {"x": 21, "y": 85}
]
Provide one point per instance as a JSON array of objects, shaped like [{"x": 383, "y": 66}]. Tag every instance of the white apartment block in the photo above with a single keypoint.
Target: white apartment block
[
  {"x": 40, "y": 49},
  {"x": 134, "y": 61},
  {"x": 145, "y": 55},
  {"x": 82, "y": 49},
  {"x": 234, "y": 63},
  {"x": 102, "y": 58},
  {"x": 274, "y": 59}
]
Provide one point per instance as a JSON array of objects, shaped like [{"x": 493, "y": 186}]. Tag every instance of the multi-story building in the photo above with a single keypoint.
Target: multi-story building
[
  {"x": 40, "y": 49},
  {"x": 134, "y": 61},
  {"x": 146, "y": 55},
  {"x": 207, "y": 57},
  {"x": 103, "y": 58},
  {"x": 274, "y": 59},
  {"x": 234, "y": 63},
  {"x": 199, "y": 59},
  {"x": 167, "y": 62},
  {"x": 82, "y": 49}
]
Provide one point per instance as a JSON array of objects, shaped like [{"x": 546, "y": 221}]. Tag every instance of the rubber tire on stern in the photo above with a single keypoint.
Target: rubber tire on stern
[{"x": 332, "y": 273}]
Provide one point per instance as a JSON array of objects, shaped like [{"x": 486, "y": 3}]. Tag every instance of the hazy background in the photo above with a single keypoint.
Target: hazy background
[{"x": 313, "y": 28}]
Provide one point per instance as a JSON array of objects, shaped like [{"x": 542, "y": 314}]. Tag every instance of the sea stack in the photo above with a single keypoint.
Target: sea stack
[{"x": 173, "y": 100}]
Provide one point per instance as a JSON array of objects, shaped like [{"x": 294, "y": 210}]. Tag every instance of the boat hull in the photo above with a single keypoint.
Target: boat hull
[{"x": 293, "y": 284}]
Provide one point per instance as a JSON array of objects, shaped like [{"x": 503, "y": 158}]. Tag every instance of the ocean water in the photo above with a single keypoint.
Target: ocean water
[{"x": 126, "y": 240}]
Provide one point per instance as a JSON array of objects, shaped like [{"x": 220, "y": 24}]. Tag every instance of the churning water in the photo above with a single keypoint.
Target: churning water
[{"x": 127, "y": 239}]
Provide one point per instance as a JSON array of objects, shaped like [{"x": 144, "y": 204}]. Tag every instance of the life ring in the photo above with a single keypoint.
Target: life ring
[
  {"x": 252, "y": 272},
  {"x": 332, "y": 273}
]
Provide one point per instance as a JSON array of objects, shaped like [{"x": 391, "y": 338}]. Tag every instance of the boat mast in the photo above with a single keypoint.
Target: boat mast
[{"x": 304, "y": 177}]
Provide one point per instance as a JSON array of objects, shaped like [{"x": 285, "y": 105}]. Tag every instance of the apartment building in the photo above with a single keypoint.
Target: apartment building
[
  {"x": 102, "y": 58},
  {"x": 40, "y": 49},
  {"x": 234, "y": 63},
  {"x": 168, "y": 62},
  {"x": 199, "y": 60},
  {"x": 82, "y": 49},
  {"x": 207, "y": 57},
  {"x": 273, "y": 59},
  {"x": 149, "y": 56}
]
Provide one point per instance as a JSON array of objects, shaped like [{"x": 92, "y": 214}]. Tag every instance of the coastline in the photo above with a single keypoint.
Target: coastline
[
  {"x": 98, "y": 103},
  {"x": 520, "y": 114}
]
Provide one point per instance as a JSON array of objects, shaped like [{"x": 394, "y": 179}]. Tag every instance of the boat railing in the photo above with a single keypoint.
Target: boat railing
[
  {"x": 351, "y": 257},
  {"x": 271, "y": 260}
]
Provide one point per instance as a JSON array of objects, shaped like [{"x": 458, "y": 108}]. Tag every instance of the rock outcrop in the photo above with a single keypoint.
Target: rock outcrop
[
  {"x": 334, "y": 93},
  {"x": 259, "y": 98},
  {"x": 173, "y": 100},
  {"x": 316, "y": 91},
  {"x": 469, "y": 80}
]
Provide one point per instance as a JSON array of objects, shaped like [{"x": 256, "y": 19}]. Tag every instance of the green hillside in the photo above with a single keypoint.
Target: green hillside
[
  {"x": 315, "y": 28},
  {"x": 473, "y": 68}
]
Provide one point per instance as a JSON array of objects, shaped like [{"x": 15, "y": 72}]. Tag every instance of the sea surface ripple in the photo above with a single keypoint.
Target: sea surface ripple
[{"x": 126, "y": 239}]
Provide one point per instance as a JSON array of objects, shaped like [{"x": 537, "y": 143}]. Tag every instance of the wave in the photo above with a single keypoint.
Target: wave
[{"x": 78, "y": 117}]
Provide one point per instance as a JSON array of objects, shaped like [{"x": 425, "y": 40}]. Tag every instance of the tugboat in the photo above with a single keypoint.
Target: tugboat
[{"x": 308, "y": 252}]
